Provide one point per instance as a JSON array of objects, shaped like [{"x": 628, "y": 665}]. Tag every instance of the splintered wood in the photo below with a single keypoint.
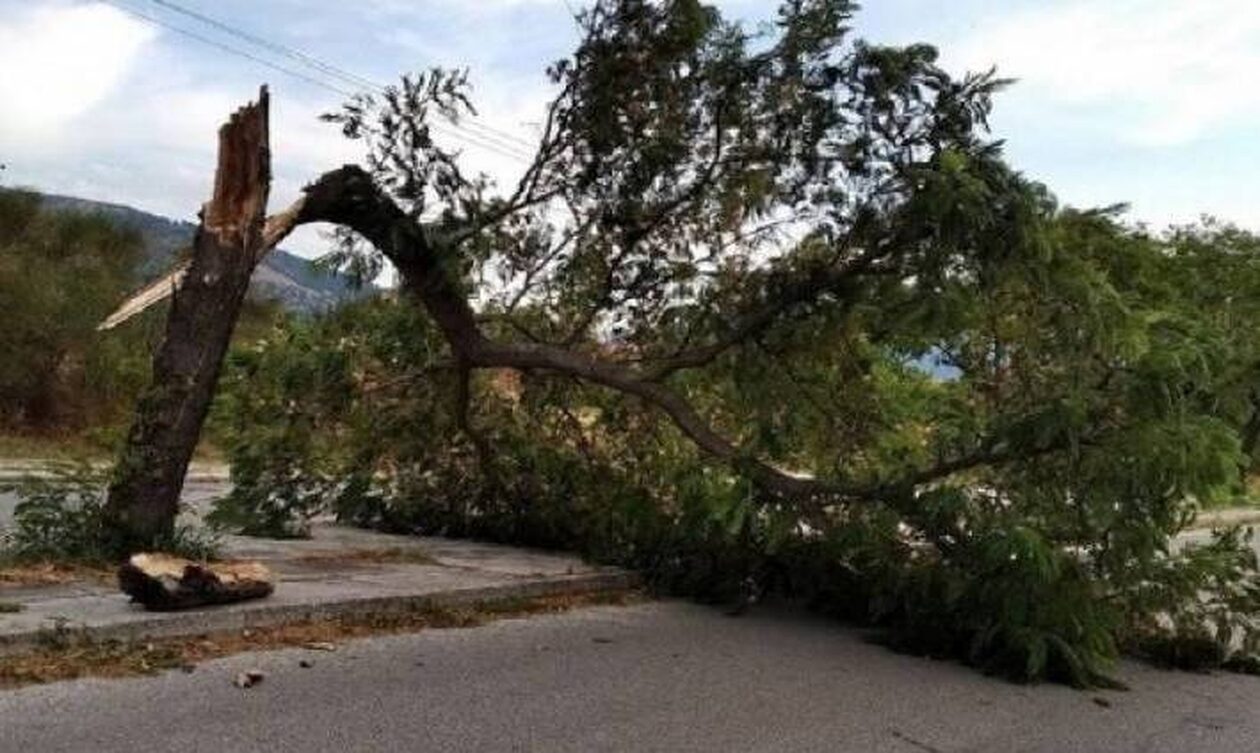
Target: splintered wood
[{"x": 162, "y": 582}]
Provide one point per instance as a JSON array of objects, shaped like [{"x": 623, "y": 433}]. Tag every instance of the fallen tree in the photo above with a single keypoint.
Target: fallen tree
[
  {"x": 766, "y": 240},
  {"x": 640, "y": 217}
]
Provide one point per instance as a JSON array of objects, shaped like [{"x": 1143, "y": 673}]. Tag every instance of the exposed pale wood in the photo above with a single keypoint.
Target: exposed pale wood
[
  {"x": 147, "y": 297},
  {"x": 278, "y": 226},
  {"x": 275, "y": 229},
  {"x": 163, "y": 582}
]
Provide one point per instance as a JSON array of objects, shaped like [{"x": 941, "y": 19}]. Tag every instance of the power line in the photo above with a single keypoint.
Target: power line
[
  {"x": 273, "y": 46},
  {"x": 466, "y": 137},
  {"x": 502, "y": 138},
  {"x": 228, "y": 48}
]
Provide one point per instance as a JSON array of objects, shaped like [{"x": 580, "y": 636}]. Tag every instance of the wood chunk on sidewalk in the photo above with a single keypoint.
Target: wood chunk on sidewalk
[{"x": 162, "y": 582}]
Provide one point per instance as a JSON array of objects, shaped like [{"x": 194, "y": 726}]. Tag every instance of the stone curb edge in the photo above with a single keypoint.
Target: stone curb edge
[{"x": 260, "y": 615}]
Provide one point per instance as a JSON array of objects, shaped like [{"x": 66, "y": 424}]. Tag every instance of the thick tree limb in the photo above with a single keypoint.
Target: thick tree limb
[{"x": 349, "y": 197}]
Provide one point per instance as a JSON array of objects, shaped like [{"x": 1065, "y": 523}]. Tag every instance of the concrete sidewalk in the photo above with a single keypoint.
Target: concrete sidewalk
[
  {"x": 1226, "y": 517},
  {"x": 339, "y": 571}
]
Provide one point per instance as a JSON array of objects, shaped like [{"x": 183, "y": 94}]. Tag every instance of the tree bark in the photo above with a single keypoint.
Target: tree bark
[{"x": 144, "y": 496}]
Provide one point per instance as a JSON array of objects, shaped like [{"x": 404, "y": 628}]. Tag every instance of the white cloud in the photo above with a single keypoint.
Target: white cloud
[
  {"x": 59, "y": 61},
  {"x": 1175, "y": 70}
]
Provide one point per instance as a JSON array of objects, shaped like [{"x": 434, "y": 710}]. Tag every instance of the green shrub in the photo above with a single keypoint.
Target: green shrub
[{"x": 60, "y": 517}]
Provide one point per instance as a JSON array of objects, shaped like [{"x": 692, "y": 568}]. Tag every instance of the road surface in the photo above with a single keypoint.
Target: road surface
[
  {"x": 663, "y": 676},
  {"x": 197, "y": 497}
]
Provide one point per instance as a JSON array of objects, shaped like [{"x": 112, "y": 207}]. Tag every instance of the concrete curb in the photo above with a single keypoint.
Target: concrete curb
[{"x": 259, "y": 614}]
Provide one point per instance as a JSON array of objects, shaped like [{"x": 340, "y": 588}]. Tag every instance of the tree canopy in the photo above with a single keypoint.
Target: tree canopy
[{"x": 702, "y": 318}]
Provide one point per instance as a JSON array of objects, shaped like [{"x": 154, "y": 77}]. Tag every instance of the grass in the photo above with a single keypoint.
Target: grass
[
  {"x": 89, "y": 445},
  {"x": 63, "y": 659},
  {"x": 1248, "y": 497},
  {"x": 50, "y": 447}
]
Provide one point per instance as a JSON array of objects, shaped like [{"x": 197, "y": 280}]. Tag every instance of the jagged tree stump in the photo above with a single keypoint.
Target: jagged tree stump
[
  {"x": 144, "y": 494},
  {"x": 162, "y": 582}
]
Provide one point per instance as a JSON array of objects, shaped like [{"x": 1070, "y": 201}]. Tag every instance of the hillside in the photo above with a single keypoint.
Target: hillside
[{"x": 290, "y": 279}]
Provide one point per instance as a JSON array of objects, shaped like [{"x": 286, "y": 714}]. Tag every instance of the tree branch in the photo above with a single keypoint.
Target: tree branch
[
  {"x": 349, "y": 197},
  {"x": 816, "y": 283}
]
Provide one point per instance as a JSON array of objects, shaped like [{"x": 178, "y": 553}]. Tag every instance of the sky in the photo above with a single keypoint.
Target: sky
[{"x": 1147, "y": 102}]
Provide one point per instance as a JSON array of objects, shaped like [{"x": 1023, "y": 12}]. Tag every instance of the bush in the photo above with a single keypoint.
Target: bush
[
  {"x": 61, "y": 273},
  {"x": 60, "y": 517}
]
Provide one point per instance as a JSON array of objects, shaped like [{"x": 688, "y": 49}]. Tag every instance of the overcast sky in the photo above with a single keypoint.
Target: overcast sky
[{"x": 1150, "y": 102}]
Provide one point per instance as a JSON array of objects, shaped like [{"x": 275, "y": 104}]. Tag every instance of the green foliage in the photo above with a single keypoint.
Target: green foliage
[
  {"x": 1021, "y": 515},
  {"x": 1006, "y": 600},
  {"x": 289, "y": 458},
  {"x": 60, "y": 274},
  {"x": 353, "y": 414},
  {"x": 60, "y": 517},
  {"x": 1202, "y": 609},
  {"x": 62, "y": 380}
]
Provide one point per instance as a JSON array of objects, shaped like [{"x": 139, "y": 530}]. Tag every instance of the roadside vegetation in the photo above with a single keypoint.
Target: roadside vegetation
[
  {"x": 60, "y": 274},
  {"x": 67, "y": 390},
  {"x": 59, "y": 531}
]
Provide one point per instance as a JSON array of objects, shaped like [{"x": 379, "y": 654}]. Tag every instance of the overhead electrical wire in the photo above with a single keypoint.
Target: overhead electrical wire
[
  {"x": 454, "y": 130},
  {"x": 227, "y": 48},
  {"x": 509, "y": 140},
  {"x": 327, "y": 68}
]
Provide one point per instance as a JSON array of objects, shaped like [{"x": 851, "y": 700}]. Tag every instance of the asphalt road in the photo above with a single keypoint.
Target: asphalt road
[
  {"x": 196, "y": 497},
  {"x": 662, "y": 676}
]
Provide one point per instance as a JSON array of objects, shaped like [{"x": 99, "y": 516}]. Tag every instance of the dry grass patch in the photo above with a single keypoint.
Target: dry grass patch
[
  {"x": 390, "y": 555},
  {"x": 62, "y": 659},
  {"x": 53, "y": 574}
]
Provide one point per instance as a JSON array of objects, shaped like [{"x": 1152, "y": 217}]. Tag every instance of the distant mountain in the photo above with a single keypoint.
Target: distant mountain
[{"x": 293, "y": 281}]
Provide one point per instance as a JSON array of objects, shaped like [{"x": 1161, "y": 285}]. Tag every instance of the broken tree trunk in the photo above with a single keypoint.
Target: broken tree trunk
[
  {"x": 144, "y": 495},
  {"x": 162, "y": 583}
]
